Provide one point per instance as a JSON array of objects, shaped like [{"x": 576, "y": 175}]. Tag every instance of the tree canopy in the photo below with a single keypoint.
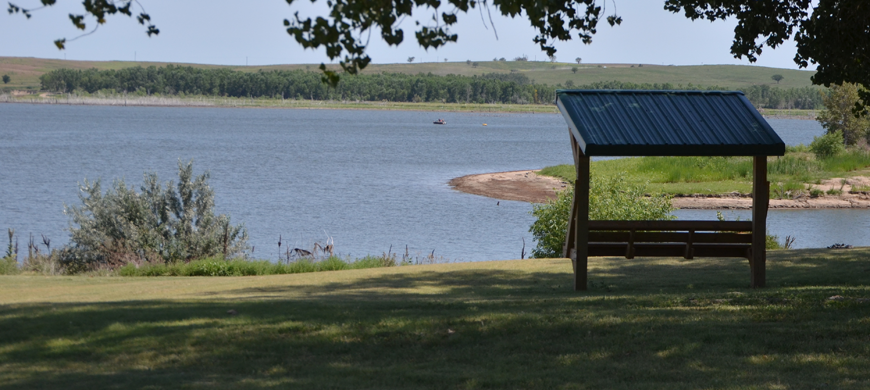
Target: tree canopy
[
  {"x": 839, "y": 115},
  {"x": 829, "y": 33}
]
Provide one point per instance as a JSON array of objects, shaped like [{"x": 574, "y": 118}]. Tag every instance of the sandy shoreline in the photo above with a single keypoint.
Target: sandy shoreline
[
  {"x": 528, "y": 186},
  {"x": 524, "y": 186}
]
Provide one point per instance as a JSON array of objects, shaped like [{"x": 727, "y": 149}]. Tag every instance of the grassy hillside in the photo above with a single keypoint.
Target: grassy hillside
[
  {"x": 25, "y": 72},
  {"x": 644, "y": 324}
]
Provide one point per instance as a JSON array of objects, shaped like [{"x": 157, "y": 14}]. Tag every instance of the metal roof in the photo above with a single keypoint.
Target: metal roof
[{"x": 667, "y": 123}]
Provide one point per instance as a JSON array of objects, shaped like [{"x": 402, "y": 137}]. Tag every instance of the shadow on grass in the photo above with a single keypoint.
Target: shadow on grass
[{"x": 643, "y": 324}]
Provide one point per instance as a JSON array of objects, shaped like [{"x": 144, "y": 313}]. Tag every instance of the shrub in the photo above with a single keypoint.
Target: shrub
[
  {"x": 9, "y": 265},
  {"x": 828, "y": 145},
  {"x": 771, "y": 242},
  {"x": 156, "y": 224},
  {"x": 48, "y": 263},
  {"x": 797, "y": 148},
  {"x": 609, "y": 199}
]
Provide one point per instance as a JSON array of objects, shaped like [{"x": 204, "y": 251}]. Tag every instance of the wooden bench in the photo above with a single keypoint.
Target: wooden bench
[{"x": 670, "y": 238}]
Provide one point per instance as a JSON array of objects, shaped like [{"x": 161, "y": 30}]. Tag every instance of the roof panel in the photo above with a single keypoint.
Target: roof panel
[{"x": 667, "y": 123}]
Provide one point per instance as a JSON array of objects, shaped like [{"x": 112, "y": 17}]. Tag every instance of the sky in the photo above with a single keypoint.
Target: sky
[{"x": 251, "y": 32}]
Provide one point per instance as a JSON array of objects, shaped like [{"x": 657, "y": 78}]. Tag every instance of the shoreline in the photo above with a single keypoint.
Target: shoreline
[
  {"x": 528, "y": 186},
  {"x": 228, "y": 102}
]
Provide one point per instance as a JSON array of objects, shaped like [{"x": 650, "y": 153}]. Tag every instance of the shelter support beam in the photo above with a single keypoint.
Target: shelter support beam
[
  {"x": 760, "y": 202},
  {"x": 577, "y": 238},
  {"x": 567, "y": 251}
]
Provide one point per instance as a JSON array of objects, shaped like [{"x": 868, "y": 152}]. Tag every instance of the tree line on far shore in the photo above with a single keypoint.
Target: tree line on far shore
[
  {"x": 301, "y": 85},
  {"x": 514, "y": 88}
]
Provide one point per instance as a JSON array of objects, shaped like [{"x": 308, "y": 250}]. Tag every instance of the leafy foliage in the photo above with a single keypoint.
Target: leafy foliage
[
  {"x": 99, "y": 9},
  {"x": 777, "y": 78},
  {"x": 829, "y": 33},
  {"x": 157, "y": 224},
  {"x": 8, "y": 265},
  {"x": 609, "y": 199},
  {"x": 839, "y": 114},
  {"x": 6, "y": 79},
  {"x": 342, "y": 32},
  {"x": 828, "y": 145}
]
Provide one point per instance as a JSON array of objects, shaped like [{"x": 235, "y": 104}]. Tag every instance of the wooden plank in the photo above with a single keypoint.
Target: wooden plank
[
  {"x": 670, "y": 250},
  {"x": 722, "y": 250},
  {"x": 704, "y": 238},
  {"x": 690, "y": 251},
  {"x": 581, "y": 226},
  {"x": 739, "y": 226},
  {"x": 760, "y": 201}
]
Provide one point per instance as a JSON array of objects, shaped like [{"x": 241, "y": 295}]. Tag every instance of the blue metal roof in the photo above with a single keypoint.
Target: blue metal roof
[{"x": 667, "y": 123}]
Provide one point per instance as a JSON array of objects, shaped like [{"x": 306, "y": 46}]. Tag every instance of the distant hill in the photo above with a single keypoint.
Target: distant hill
[{"x": 25, "y": 72}]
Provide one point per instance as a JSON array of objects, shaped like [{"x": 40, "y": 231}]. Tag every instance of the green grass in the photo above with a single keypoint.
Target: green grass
[
  {"x": 237, "y": 267},
  {"x": 719, "y": 175},
  {"x": 644, "y": 324}
]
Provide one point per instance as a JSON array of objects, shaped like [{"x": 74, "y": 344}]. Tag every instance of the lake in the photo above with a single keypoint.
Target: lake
[{"x": 371, "y": 180}]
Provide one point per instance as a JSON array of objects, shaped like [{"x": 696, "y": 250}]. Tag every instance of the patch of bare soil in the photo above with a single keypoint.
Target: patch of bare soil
[
  {"x": 528, "y": 186},
  {"x": 524, "y": 186}
]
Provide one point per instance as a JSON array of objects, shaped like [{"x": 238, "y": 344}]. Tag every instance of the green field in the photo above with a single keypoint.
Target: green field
[
  {"x": 794, "y": 172},
  {"x": 644, "y": 324},
  {"x": 25, "y": 72}
]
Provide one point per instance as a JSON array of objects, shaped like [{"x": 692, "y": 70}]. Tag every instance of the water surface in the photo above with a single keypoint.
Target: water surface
[{"x": 372, "y": 180}]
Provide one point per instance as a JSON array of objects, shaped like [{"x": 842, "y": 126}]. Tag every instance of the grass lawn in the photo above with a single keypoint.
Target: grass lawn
[
  {"x": 644, "y": 324},
  {"x": 719, "y": 175}
]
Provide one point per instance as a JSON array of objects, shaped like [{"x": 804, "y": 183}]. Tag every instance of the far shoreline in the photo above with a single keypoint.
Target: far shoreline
[
  {"x": 227, "y": 102},
  {"x": 529, "y": 186}
]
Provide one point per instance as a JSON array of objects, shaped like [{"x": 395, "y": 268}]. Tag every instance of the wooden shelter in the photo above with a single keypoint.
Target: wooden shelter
[{"x": 666, "y": 123}]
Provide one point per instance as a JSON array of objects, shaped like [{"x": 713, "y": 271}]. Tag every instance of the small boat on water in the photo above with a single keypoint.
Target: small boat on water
[{"x": 440, "y": 122}]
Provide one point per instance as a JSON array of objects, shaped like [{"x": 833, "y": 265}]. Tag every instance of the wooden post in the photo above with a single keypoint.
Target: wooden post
[
  {"x": 760, "y": 201},
  {"x": 569, "y": 236},
  {"x": 581, "y": 223}
]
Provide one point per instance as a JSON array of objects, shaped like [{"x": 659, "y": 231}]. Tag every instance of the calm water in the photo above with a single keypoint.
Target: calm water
[{"x": 369, "y": 179}]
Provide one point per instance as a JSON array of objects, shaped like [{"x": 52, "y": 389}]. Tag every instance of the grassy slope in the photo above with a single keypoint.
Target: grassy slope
[
  {"x": 25, "y": 72},
  {"x": 667, "y": 323}
]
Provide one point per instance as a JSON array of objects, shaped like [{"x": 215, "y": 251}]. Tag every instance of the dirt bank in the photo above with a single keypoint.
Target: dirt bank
[
  {"x": 525, "y": 186},
  {"x": 528, "y": 186}
]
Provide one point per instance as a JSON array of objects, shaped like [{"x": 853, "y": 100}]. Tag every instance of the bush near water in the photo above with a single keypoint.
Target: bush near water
[
  {"x": 610, "y": 198},
  {"x": 164, "y": 230}
]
